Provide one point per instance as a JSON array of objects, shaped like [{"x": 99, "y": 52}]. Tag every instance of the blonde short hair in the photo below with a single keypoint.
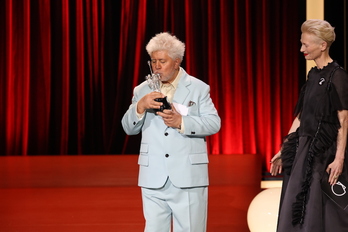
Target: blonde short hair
[
  {"x": 321, "y": 29},
  {"x": 166, "y": 42}
]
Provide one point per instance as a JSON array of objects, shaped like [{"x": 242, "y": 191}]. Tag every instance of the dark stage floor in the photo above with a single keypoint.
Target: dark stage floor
[{"x": 99, "y": 193}]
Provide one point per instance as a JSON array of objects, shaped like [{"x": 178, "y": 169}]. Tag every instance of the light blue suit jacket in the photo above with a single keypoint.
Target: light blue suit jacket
[{"x": 164, "y": 152}]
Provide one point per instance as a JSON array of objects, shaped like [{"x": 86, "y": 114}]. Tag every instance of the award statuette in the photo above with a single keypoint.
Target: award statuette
[{"x": 154, "y": 81}]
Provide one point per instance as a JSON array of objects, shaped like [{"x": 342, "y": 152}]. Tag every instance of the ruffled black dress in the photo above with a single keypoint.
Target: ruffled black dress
[{"x": 307, "y": 152}]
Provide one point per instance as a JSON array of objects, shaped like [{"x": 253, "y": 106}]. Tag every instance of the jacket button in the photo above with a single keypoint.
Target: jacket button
[
  {"x": 166, "y": 134},
  {"x": 166, "y": 155},
  {"x": 192, "y": 132},
  {"x": 134, "y": 123}
]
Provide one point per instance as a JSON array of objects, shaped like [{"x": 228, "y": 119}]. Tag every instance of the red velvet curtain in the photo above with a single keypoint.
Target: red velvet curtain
[{"x": 68, "y": 69}]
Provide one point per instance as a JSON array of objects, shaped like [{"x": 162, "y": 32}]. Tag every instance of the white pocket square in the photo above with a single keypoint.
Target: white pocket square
[{"x": 183, "y": 110}]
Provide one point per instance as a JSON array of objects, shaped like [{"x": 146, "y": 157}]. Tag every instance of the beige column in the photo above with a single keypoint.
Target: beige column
[{"x": 315, "y": 10}]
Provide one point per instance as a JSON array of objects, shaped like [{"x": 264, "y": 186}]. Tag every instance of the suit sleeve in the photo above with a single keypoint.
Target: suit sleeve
[{"x": 130, "y": 122}]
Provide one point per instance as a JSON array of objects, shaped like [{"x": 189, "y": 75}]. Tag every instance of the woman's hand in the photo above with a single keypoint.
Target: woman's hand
[
  {"x": 334, "y": 170},
  {"x": 276, "y": 165}
]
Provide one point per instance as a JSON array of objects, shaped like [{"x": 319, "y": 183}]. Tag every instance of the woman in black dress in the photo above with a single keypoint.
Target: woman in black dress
[{"x": 314, "y": 152}]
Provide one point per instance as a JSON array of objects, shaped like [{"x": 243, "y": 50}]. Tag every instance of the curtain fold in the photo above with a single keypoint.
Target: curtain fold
[
  {"x": 40, "y": 67},
  {"x": 17, "y": 66},
  {"x": 62, "y": 107},
  {"x": 68, "y": 69}
]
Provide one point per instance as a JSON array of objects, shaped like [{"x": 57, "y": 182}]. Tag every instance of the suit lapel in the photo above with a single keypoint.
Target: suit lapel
[{"x": 182, "y": 90}]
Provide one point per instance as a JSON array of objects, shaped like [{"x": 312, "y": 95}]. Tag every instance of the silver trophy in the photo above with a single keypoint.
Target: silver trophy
[{"x": 154, "y": 80}]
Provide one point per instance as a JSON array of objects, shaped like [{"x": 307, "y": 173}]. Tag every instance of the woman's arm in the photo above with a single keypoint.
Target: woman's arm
[
  {"x": 336, "y": 167},
  {"x": 276, "y": 162},
  {"x": 295, "y": 125}
]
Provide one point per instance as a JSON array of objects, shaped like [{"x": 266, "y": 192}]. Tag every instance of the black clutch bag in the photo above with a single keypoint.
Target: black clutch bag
[{"x": 337, "y": 192}]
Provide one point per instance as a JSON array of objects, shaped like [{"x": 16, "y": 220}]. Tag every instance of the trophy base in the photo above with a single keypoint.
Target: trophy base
[{"x": 165, "y": 106}]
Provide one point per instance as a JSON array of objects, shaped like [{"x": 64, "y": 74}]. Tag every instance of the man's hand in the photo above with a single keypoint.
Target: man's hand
[
  {"x": 148, "y": 102},
  {"x": 171, "y": 117}
]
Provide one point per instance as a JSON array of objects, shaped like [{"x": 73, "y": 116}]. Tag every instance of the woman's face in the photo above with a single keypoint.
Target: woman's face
[
  {"x": 311, "y": 46},
  {"x": 164, "y": 65}
]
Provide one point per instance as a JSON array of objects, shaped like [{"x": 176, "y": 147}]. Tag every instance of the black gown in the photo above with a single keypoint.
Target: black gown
[{"x": 307, "y": 152}]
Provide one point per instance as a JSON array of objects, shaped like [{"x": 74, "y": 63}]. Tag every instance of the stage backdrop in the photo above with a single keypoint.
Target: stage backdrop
[{"x": 68, "y": 68}]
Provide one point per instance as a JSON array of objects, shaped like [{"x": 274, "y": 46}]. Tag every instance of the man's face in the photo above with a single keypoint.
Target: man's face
[{"x": 165, "y": 66}]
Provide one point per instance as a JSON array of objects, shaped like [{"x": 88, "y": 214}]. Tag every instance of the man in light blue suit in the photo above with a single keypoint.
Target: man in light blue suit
[{"x": 173, "y": 157}]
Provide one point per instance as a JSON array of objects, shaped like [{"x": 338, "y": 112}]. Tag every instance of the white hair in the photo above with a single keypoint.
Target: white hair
[{"x": 166, "y": 42}]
